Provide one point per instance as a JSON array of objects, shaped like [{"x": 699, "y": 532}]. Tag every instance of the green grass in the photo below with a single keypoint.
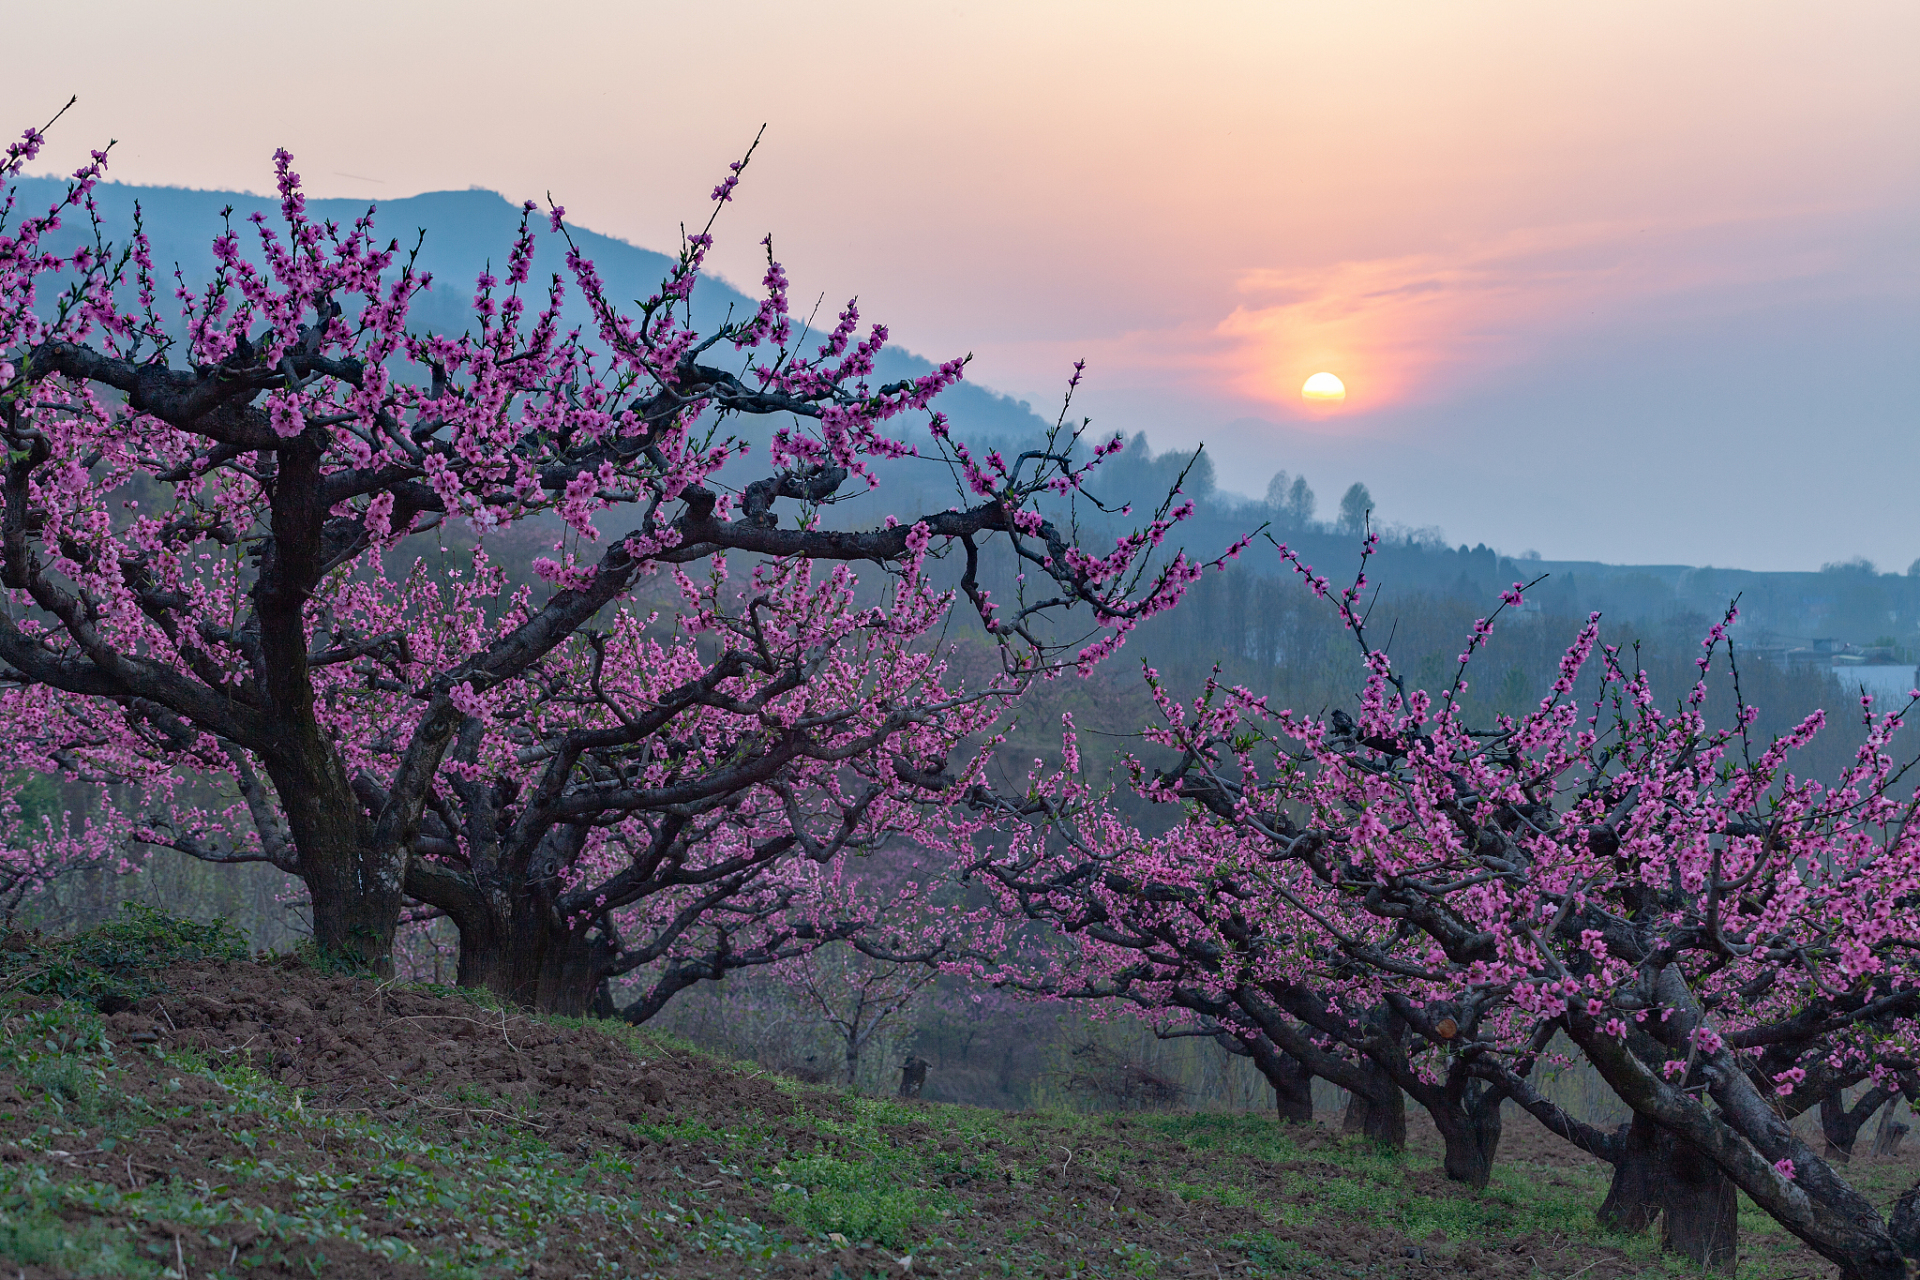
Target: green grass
[
  {"x": 832, "y": 1173},
  {"x": 1269, "y": 1255},
  {"x": 858, "y": 1200},
  {"x": 503, "y": 1192},
  {"x": 112, "y": 966}
]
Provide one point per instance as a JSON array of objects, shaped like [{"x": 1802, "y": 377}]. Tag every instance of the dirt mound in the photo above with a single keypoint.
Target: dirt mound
[{"x": 355, "y": 1043}]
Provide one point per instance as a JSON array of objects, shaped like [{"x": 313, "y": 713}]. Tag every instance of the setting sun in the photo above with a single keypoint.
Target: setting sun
[{"x": 1324, "y": 388}]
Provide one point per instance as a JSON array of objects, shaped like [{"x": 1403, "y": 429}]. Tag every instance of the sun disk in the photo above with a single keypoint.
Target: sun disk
[{"x": 1324, "y": 388}]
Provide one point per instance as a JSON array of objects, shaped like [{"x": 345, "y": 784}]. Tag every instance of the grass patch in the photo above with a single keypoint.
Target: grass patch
[
  {"x": 112, "y": 966},
  {"x": 1268, "y": 1255},
  {"x": 863, "y": 1200},
  {"x": 125, "y": 1159}
]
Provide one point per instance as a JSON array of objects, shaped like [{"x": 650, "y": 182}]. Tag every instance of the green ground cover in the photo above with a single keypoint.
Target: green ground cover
[{"x": 171, "y": 1152}]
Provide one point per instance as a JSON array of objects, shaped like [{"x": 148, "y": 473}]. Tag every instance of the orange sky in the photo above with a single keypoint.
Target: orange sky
[{"x": 1208, "y": 201}]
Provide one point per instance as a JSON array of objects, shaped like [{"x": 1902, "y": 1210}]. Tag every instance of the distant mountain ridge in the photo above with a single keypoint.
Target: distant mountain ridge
[
  {"x": 465, "y": 231},
  {"x": 468, "y": 230}
]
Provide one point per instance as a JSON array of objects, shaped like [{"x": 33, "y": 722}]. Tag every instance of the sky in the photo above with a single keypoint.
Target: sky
[{"x": 1637, "y": 282}]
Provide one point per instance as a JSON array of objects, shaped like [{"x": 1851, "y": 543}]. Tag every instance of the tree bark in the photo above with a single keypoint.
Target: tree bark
[
  {"x": 1380, "y": 1111},
  {"x": 1633, "y": 1198},
  {"x": 532, "y": 963},
  {"x": 356, "y": 889},
  {"x": 1669, "y": 1179},
  {"x": 1382, "y": 1118},
  {"x": 353, "y": 920},
  {"x": 1470, "y": 1130},
  {"x": 1292, "y": 1090},
  {"x": 1661, "y": 1176}
]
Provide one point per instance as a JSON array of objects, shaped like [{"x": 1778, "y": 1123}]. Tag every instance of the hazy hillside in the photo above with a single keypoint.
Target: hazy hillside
[{"x": 465, "y": 231}]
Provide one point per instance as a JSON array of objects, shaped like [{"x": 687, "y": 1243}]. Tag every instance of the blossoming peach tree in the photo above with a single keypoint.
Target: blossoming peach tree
[
  {"x": 58, "y": 821},
  {"x": 1724, "y": 941},
  {"x": 202, "y": 498}
]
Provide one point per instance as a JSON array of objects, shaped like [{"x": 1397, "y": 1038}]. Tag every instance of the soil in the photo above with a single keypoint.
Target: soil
[{"x": 451, "y": 1066}]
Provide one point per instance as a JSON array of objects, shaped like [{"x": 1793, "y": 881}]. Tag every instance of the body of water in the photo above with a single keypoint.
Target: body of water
[{"x": 1889, "y": 685}]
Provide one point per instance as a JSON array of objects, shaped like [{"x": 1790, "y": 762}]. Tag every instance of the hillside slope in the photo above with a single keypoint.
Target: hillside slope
[
  {"x": 232, "y": 1117},
  {"x": 170, "y": 1109}
]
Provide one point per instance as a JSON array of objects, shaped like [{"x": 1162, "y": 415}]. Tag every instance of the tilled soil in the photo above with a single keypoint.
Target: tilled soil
[{"x": 455, "y": 1068}]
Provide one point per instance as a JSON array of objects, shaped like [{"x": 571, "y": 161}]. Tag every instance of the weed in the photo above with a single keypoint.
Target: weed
[
  {"x": 825, "y": 1194},
  {"x": 111, "y": 966},
  {"x": 1267, "y": 1254}
]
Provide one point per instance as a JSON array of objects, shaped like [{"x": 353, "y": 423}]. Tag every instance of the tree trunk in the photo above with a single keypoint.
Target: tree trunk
[
  {"x": 1904, "y": 1225},
  {"x": 1659, "y": 1175},
  {"x": 1291, "y": 1078},
  {"x": 1887, "y": 1134},
  {"x": 1380, "y": 1111},
  {"x": 352, "y": 922},
  {"x": 1381, "y": 1119},
  {"x": 356, "y": 888},
  {"x": 1471, "y": 1134},
  {"x": 1633, "y": 1199},
  {"x": 1292, "y": 1089},
  {"x": 1841, "y": 1125},
  {"x": 529, "y": 961},
  {"x": 1834, "y": 1128}
]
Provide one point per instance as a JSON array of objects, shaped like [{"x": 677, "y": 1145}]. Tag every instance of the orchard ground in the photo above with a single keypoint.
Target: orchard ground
[{"x": 171, "y": 1108}]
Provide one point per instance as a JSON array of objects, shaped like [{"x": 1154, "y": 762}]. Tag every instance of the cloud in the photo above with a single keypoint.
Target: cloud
[{"x": 1413, "y": 328}]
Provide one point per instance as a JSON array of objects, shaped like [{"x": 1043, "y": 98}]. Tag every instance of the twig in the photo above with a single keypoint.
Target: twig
[
  {"x": 31, "y": 971},
  {"x": 488, "y": 1111},
  {"x": 453, "y": 1017}
]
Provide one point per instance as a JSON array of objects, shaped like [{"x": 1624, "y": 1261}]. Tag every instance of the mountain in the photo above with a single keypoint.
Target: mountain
[{"x": 464, "y": 232}]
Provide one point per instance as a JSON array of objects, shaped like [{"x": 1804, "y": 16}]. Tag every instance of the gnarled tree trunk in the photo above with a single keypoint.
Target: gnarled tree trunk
[
  {"x": 1470, "y": 1131},
  {"x": 1840, "y": 1125},
  {"x": 1660, "y": 1176},
  {"x": 1292, "y": 1090},
  {"x": 1381, "y": 1118},
  {"x": 551, "y": 970},
  {"x": 514, "y": 943}
]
